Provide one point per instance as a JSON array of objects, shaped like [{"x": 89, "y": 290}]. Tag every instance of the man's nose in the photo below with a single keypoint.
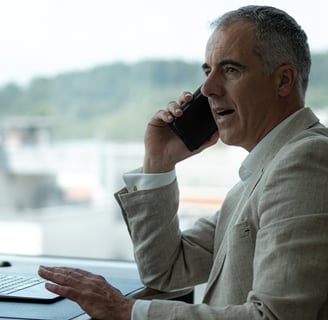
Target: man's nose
[{"x": 212, "y": 86}]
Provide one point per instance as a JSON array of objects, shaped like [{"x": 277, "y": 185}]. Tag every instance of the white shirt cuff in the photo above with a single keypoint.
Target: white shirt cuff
[
  {"x": 140, "y": 310},
  {"x": 137, "y": 180}
]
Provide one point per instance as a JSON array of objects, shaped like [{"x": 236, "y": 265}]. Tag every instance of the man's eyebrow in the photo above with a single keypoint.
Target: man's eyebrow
[{"x": 225, "y": 62}]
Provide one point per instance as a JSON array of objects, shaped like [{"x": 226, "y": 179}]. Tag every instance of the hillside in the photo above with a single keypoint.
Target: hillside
[{"x": 115, "y": 101}]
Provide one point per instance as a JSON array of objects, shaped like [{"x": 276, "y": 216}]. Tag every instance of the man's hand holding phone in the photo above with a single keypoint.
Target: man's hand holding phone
[
  {"x": 164, "y": 147},
  {"x": 196, "y": 126}
]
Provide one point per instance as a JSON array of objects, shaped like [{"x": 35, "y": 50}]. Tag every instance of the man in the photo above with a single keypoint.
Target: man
[{"x": 264, "y": 255}]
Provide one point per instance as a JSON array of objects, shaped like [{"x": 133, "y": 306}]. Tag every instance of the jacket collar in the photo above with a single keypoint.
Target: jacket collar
[{"x": 304, "y": 119}]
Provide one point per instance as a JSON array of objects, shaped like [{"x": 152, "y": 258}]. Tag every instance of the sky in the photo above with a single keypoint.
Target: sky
[{"x": 49, "y": 37}]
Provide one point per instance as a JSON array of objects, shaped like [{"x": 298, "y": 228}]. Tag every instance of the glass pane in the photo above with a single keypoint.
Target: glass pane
[{"x": 79, "y": 81}]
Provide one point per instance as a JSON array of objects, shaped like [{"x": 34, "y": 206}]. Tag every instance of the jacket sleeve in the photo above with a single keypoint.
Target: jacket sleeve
[{"x": 167, "y": 258}]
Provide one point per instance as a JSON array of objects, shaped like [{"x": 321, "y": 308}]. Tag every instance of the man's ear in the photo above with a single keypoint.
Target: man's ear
[{"x": 286, "y": 79}]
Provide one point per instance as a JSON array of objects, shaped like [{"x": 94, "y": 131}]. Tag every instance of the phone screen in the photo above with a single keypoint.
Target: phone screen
[{"x": 196, "y": 125}]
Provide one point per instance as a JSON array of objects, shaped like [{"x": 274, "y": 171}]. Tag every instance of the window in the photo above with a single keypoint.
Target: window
[{"x": 78, "y": 82}]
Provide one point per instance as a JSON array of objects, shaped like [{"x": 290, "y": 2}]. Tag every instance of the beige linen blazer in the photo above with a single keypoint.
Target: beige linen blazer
[{"x": 264, "y": 255}]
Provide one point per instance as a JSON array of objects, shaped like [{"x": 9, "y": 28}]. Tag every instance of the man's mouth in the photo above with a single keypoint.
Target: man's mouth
[{"x": 226, "y": 112}]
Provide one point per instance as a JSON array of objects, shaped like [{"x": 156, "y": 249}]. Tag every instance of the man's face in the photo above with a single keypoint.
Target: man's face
[{"x": 243, "y": 99}]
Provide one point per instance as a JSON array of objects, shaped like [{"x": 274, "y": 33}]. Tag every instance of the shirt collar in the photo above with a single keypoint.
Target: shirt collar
[{"x": 255, "y": 157}]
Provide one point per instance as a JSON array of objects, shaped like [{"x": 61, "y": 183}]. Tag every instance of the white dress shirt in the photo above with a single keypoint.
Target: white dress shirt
[{"x": 136, "y": 180}]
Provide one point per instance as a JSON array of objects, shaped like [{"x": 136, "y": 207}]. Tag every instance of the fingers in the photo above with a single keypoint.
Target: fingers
[
  {"x": 173, "y": 108},
  {"x": 162, "y": 116},
  {"x": 63, "y": 291},
  {"x": 62, "y": 275},
  {"x": 64, "y": 281},
  {"x": 185, "y": 97},
  {"x": 68, "y": 282},
  {"x": 94, "y": 295}
]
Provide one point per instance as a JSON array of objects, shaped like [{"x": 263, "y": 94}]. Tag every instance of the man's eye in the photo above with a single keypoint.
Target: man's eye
[
  {"x": 230, "y": 70},
  {"x": 231, "y": 73}
]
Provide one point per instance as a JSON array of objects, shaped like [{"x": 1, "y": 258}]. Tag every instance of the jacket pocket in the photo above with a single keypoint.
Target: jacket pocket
[{"x": 240, "y": 255}]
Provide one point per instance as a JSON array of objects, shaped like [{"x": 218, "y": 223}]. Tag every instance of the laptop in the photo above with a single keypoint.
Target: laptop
[
  {"x": 24, "y": 287},
  {"x": 30, "y": 288}
]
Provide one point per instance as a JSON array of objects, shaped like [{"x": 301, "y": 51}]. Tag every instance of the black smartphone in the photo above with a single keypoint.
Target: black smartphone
[{"x": 196, "y": 125}]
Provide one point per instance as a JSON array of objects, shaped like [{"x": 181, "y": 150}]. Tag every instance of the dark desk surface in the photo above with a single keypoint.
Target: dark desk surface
[{"x": 57, "y": 311}]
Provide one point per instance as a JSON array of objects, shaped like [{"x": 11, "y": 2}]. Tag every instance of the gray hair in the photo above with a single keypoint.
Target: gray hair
[{"x": 278, "y": 40}]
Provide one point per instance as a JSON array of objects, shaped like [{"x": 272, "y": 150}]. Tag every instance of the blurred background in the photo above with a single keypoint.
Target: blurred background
[{"x": 79, "y": 80}]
